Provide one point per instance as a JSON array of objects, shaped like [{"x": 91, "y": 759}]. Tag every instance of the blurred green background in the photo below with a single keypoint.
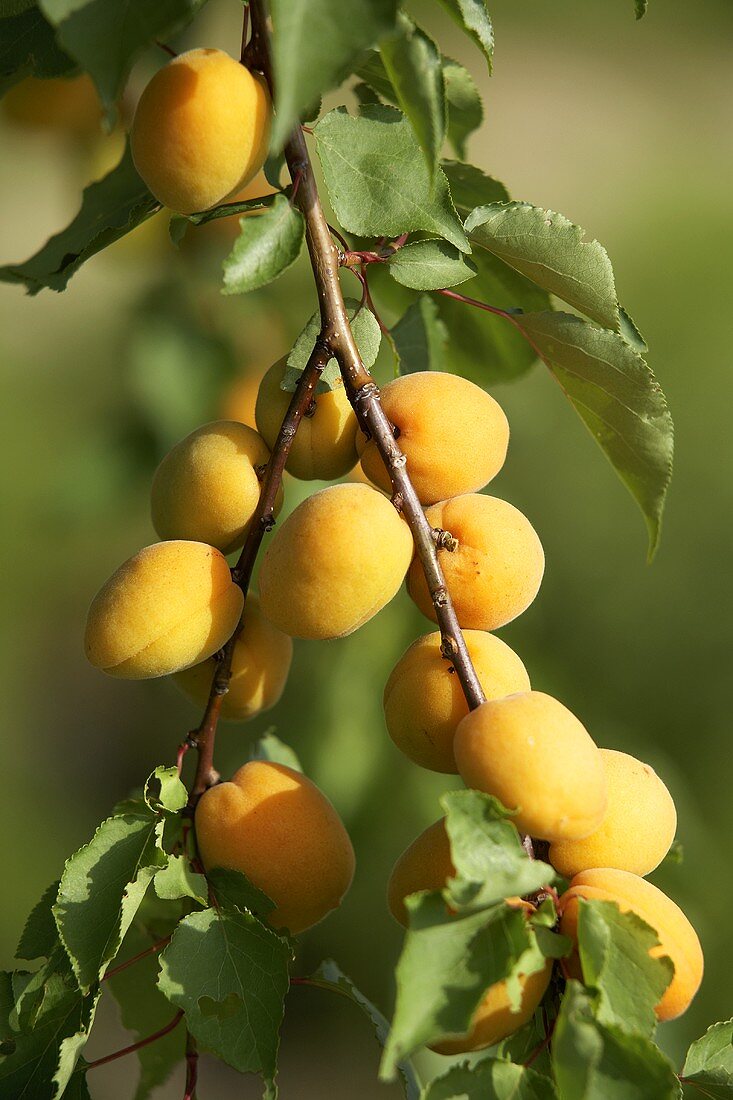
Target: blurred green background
[{"x": 625, "y": 128}]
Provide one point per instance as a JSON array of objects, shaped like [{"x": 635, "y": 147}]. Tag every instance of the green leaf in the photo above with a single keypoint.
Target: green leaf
[
  {"x": 269, "y": 747},
  {"x": 487, "y": 853},
  {"x": 709, "y": 1062},
  {"x": 316, "y": 44},
  {"x": 378, "y": 182},
  {"x": 31, "y": 990},
  {"x": 419, "y": 337},
  {"x": 179, "y": 223},
  {"x": 630, "y": 332},
  {"x": 614, "y": 956},
  {"x": 595, "y": 1061},
  {"x": 368, "y": 338},
  {"x": 373, "y": 73},
  {"x": 618, "y": 399},
  {"x": 110, "y": 208},
  {"x": 430, "y": 265},
  {"x": 413, "y": 64},
  {"x": 40, "y": 934},
  {"x": 178, "y": 880},
  {"x": 164, "y": 791},
  {"x": 267, "y": 245},
  {"x": 233, "y": 890},
  {"x": 465, "y": 110},
  {"x": 330, "y": 976},
  {"x": 490, "y": 1079},
  {"x": 101, "y": 889},
  {"x": 640, "y": 7},
  {"x": 7, "y": 1007},
  {"x": 28, "y": 47},
  {"x": 470, "y": 187},
  {"x": 550, "y": 251},
  {"x": 472, "y": 16},
  {"x": 229, "y": 974}
]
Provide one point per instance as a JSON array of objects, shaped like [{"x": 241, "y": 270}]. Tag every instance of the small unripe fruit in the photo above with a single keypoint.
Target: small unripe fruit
[
  {"x": 494, "y": 573},
  {"x": 323, "y": 448},
  {"x": 207, "y": 487},
  {"x": 532, "y": 753},
  {"x": 455, "y": 436},
  {"x": 170, "y": 606},
  {"x": 637, "y": 829},
  {"x": 201, "y": 130},
  {"x": 334, "y": 563},
  {"x": 425, "y": 865},
  {"x": 260, "y": 666},
  {"x": 677, "y": 938},
  {"x": 280, "y": 830},
  {"x": 424, "y": 701}
]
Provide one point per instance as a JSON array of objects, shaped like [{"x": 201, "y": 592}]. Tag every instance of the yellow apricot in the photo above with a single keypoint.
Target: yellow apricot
[
  {"x": 335, "y": 562},
  {"x": 532, "y": 753},
  {"x": 170, "y": 606},
  {"x": 423, "y": 700},
  {"x": 207, "y": 488},
  {"x": 496, "y": 570},
  {"x": 323, "y": 448},
  {"x": 68, "y": 105},
  {"x": 455, "y": 436},
  {"x": 425, "y": 865},
  {"x": 201, "y": 130},
  {"x": 677, "y": 938},
  {"x": 638, "y": 827},
  {"x": 280, "y": 830},
  {"x": 260, "y": 666},
  {"x": 239, "y": 400}
]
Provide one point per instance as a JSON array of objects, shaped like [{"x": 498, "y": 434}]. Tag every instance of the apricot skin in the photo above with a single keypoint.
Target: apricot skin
[
  {"x": 423, "y": 700},
  {"x": 530, "y": 751},
  {"x": 425, "y": 865},
  {"x": 201, "y": 130},
  {"x": 260, "y": 666},
  {"x": 334, "y": 563},
  {"x": 638, "y": 827},
  {"x": 455, "y": 436},
  {"x": 280, "y": 830},
  {"x": 495, "y": 572},
  {"x": 170, "y": 606},
  {"x": 207, "y": 488},
  {"x": 677, "y": 938},
  {"x": 323, "y": 448}
]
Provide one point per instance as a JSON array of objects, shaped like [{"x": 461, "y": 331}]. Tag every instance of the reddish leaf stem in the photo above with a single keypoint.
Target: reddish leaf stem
[
  {"x": 139, "y": 1044},
  {"x": 154, "y": 947}
]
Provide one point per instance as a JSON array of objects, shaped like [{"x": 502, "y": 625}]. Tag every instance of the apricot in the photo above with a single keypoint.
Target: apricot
[
  {"x": 260, "y": 666},
  {"x": 496, "y": 570},
  {"x": 638, "y": 827},
  {"x": 280, "y": 830},
  {"x": 67, "y": 105},
  {"x": 207, "y": 488},
  {"x": 334, "y": 563},
  {"x": 533, "y": 754},
  {"x": 423, "y": 700},
  {"x": 677, "y": 938},
  {"x": 170, "y": 606},
  {"x": 425, "y": 864},
  {"x": 323, "y": 448},
  {"x": 455, "y": 436},
  {"x": 201, "y": 130},
  {"x": 238, "y": 402}
]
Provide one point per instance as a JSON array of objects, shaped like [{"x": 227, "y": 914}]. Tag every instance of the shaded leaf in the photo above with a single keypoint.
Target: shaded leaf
[
  {"x": 709, "y": 1062},
  {"x": 233, "y": 890},
  {"x": 419, "y": 337},
  {"x": 28, "y": 47},
  {"x": 413, "y": 65},
  {"x": 40, "y": 935},
  {"x": 430, "y": 265},
  {"x": 470, "y": 187},
  {"x": 368, "y": 338},
  {"x": 473, "y": 17},
  {"x": 490, "y": 1079},
  {"x": 465, "y": 110},
  {"x": 268, "y": 244},
  {"x": 179, "y": 223}
]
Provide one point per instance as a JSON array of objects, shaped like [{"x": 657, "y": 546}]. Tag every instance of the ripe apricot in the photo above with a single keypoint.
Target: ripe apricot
[
  {"x": 323, "y": 448},
  {"x": 67, "y": 105},
  {"x": 424, "y": 702},
  {"x": 260, "y": 666},
  {"x": 455, "y": 436},
  {"x": 425, "y": 864},
  {"x": 677, "y": 938},
  {"x": 207, "y": 487},
  {"x": 496, "y": 570},
  {"x": 170, "y": 606},
  {"x": 201, "y": 130},
  {"x": 334, "y": 563},
  {"x": 238, "y": 402},
  {"x": 638, "y": 826},
  {"x": 532, "y": 753},
  {"x": 280, "y": 830}
]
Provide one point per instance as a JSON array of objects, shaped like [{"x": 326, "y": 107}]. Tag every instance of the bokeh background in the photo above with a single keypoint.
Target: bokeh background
[{"x": 624, "y": 127}]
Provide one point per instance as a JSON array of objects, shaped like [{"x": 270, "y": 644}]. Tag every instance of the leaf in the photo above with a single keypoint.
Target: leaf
[
  {"x": 233, "y": 890},
  {"x": 330, "y": 976},
  {"x": 413, "y": 64},
  {"x": 465, "y": 110},
  {"x": 40, "y": 934},
  {"x": 614, "y": 955},
  {"x": 709, "y": 1062},
  {"x": 618, "y": 399},
  {"x": 28, "y": 47},
  {"x": 487, "y": 854},
  {"x": 110, "y": 208},
  {"x": 7, "y": 1007},
  {"x": 593, "y": 1061},
  {"x": 430, "y": 265},
  {"x": 378, "y": 182},
  {"x": 419, "y": 337},
  {"x": 473, "y": 17},
  {"x": 101, "y": 889},
  {"x": 177, "y": 880},
  {"x": 368, "y": 338},
  {"x": 269, "y": 747},
  {"x": 179, "y": 223},
  {"x": 640, "y": 7},
  {"x": 550, "y": 251},
  {"x": 316, "y": 45},
  {"x": 164, "y": 791},
  {"x": 470, "y": 187},
  {"x": 373, "y": 73},
  {"x": 490, "y": 1079},
  {"x": 268, "y": 244},
  {"x": 229, "y": 974}
]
